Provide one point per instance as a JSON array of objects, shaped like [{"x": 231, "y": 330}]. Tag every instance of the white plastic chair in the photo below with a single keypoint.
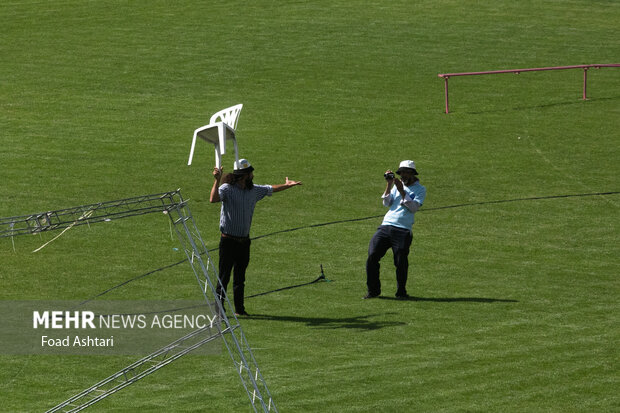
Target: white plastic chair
[{"x": 221, "y": 128}]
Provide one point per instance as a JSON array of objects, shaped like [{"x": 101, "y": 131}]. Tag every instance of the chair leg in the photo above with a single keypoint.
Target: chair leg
[
  {"x": 191, "y": 151},
  {"x": 218, "y": 156},
  {"x": 236, "y": 148},
  {"x": 221, "y": 131}
]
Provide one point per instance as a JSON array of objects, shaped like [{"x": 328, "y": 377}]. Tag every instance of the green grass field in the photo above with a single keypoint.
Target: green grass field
[{"x": 517, "y": 302}]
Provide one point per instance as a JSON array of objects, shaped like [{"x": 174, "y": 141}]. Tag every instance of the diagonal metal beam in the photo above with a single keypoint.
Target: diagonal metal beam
[
  {"x": 207, "y": 277},
  {"x": 137, "y": 370}
]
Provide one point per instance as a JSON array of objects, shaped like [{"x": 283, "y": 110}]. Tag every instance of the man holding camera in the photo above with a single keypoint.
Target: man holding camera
[{"x": 403, "y": 197}]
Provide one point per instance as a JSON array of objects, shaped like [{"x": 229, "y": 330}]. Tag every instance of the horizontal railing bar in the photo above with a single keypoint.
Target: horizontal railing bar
[{"x": 537, "y": 69}]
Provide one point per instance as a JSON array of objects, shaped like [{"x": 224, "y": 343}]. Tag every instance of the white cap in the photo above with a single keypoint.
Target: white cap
[
  {"x": 407, "y": 164},
  {"x": 243, "y": 166}
]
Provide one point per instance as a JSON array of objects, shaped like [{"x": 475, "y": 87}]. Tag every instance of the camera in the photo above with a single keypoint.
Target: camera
[{"x": 388, "y": 175}]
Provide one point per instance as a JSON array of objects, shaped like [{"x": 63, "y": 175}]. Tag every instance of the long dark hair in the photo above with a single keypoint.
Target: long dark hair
[{"x": 232, "y": 179}]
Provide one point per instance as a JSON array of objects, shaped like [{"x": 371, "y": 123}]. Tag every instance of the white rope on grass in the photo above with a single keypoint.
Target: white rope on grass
[{"x": 87, "y": 214}]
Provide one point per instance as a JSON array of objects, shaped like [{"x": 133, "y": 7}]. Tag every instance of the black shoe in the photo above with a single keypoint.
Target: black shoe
[
  {"x": 404, "y": 296},
  {"x": 242, "y": 313},
  {"x": 370, "y": 295}
]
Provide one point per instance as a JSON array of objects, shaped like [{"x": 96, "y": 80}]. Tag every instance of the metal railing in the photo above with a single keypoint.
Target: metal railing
[{"x": 585, "y": 68}]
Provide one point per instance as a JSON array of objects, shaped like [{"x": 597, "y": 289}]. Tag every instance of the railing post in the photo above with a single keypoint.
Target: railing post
[
  {"x": 585, "y": 83},
  {"x": 446, "y": 93}
]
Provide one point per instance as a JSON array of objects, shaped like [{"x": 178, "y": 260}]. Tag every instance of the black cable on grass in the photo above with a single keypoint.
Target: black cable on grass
[
  {"x": 535, "y": 198},
  {"x": 130, "y": 280},
  {"x": 439, "y": 208},
  {"x": 319, "y": 278},
  {"x": 324, "y": 224}
]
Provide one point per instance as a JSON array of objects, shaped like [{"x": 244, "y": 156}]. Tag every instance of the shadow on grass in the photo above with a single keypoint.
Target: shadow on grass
[
  {"x": 360, "y": 322},
  {"x": 452, "y": 299},
  {"x": 541, "y": 106}
]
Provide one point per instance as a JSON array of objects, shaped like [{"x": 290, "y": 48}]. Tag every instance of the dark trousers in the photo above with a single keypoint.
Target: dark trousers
[
  {"x": 234, "y": 253},
  {"x": 387, "y": 237}
]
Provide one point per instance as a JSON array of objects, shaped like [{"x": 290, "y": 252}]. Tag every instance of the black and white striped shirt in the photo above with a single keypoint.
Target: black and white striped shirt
[{"x": 238, "y": 207}]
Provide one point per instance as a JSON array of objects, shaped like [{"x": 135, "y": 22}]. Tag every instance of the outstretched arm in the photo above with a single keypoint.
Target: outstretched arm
[{"x": 286, "y": 185}]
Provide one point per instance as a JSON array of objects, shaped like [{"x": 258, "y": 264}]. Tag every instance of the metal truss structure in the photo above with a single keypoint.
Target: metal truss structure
[
  {"x": 229, "y": 329},
  {"x": 85, "y": 214}
]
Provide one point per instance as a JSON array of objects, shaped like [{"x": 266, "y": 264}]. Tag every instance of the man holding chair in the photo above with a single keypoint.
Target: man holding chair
[{"x": 238, "y": 196}]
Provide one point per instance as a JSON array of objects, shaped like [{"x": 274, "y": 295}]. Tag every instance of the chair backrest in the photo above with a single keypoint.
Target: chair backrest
[{"x": 229, "y": 116}]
